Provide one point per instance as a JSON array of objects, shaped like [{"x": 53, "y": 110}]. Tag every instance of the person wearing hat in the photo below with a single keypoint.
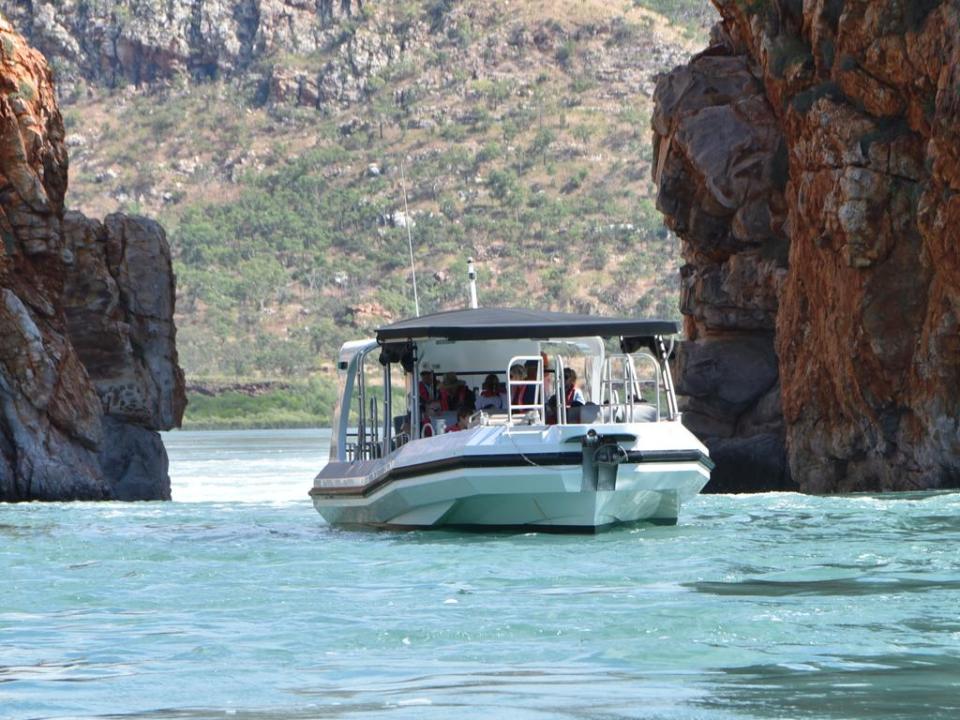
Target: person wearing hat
[{"x": 453, "y": 392}]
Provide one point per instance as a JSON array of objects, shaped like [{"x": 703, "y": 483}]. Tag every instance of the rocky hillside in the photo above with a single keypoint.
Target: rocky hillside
[
  {"x": 268, "y": 136},
  {"x": 809, "y": 162},
  {"x": 88, "y": 366}
]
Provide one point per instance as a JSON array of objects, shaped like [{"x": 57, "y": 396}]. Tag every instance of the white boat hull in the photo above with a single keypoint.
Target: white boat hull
[{"x": 485, "y": 479}]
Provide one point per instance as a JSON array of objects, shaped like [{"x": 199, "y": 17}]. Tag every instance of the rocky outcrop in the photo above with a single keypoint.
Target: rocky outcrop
[
  {"x": 809, "y": 161},
  {"x": 721, "y": 174},
  {"x": 119, "y": 301},
  {"x": 88, "y": 367},
  {"x": 129, "y": 42},
  {"x": 321, "y": 54}
]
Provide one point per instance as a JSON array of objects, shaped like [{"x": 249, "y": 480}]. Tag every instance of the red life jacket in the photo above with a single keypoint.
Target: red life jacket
[
  {"x": 424, "y": 392},
  {"x": 570, "y": 393},
  {"x": 517, "y": 397},
  {"x": 448, "y": 403}
]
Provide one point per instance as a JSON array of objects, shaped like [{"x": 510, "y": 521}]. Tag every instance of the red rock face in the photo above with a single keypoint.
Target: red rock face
[
  {"x": 866, "y": 96},
  {"x": 69, "y": 417},
  {"x": 721, "y": 170}
]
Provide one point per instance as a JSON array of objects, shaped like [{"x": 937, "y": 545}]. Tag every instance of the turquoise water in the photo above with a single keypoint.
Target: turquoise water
[{"x": 236, "y": 601}]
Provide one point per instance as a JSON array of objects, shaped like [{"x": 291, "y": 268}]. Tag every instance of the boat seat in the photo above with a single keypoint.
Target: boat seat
[
  {"x": 609, "y": 414},
  {"x": 644, "y": 412},
  {"x": 586, "y": 414},
  {"x": 490, "y": 417}
]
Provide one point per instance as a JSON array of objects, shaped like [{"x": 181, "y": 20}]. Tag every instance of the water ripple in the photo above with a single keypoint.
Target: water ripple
[{"x": 236, "y": 601}]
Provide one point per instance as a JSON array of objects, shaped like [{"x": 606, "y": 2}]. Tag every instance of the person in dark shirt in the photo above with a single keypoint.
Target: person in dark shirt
[{"x": 530, "y": 391}]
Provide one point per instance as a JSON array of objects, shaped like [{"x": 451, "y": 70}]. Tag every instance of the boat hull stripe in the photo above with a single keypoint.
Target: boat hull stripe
[{"x": 634, "y": 457}]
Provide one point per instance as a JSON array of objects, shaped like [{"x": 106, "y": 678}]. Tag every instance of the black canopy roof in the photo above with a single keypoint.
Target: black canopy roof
[{"x": 515, "y": 323}]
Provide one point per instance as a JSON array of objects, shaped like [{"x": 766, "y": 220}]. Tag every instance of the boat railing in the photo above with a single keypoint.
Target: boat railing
[
  {"x": 673, "y": 409},
  {"x": 620, "y": 392},
  {"x": 560, "y": 395},
  {"x": 367, "y": 444},
  {"x": 519, "y": 411},
  {"x": 644, "y": 357}
]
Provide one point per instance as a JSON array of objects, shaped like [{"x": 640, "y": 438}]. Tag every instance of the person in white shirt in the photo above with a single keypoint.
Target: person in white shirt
[
  {"x": 573, "y": 396},
  {"x": 490, "y": 396}
]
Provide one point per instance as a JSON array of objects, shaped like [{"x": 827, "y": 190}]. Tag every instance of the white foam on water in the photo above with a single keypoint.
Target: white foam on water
[{"x": 246, "y": 466}]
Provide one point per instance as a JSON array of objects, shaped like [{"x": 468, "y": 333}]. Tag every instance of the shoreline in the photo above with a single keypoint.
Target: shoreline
[
  {"x": 259, "y": 404},
  {"x": 318, "y": 424}
]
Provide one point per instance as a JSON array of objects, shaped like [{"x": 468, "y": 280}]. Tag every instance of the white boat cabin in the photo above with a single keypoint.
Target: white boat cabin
[{"x": 452, "y": 371}]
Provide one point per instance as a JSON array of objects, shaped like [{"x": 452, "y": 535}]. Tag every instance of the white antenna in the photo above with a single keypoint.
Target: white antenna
[
  {"x": 406, "y": 221},
  {"x": 472, "y": 277}
]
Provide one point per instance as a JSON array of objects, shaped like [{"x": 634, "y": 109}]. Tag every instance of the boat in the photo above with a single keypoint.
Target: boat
[{"x": 529, "y": 461}]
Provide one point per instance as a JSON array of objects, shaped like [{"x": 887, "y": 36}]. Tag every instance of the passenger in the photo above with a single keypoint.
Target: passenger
[
  {"x": 428, "y": 390},
  {"x": 530, "y": 391},
  {"x": 428, "y": 411},
  {"x": 491, "y": 397},
  {"x": 453, "y": 392},
  {"x": 463, "y": 419},
  {"x": 402, "y": 433},
  {"x": 517, "y": 372},
  {"x": 573, "y": 394},
  {"x": 548, "y": 380}
]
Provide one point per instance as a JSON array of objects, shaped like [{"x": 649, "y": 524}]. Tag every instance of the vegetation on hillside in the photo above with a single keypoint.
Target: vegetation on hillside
[
  {"x": 304, "y": 404},
  {"x": 288, "y": 223}
]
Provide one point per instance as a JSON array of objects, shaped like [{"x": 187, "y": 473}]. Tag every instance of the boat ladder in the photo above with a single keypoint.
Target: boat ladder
[{"x": 532, "y": 413}]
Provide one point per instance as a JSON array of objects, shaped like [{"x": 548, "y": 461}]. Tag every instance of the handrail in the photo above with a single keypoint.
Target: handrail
[
  {"x": 374, "y": 442},
  {"x": 560, "y": 392},
  {"x": 511, "y": 384},
  {"x": 656, "y": 365},
  {"x": 628, "y": 380},
  {"x": 668, "y": 378},
  {"x": 361, "y": 408}
]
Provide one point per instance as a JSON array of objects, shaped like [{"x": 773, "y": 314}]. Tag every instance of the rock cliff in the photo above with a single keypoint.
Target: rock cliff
[
  {"x": 143, "y": 43},
  {"x": 809, "y": 161},
  {"x": 322, "y": 54},
  {"x": 88, "y": 366}
]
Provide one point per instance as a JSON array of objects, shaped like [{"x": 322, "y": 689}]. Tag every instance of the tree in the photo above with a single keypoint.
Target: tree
[
  {"x": 544, "y": 138},
  {"x": 261, "y": 278},
  {"x": 506, "y": 188}
]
